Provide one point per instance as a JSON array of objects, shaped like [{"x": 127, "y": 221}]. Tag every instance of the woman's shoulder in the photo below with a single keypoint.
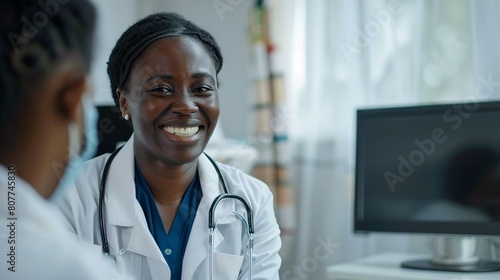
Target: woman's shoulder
[
  {"x": 236, "y": 175},
  {"x": 95, "y": 165},
  {"x": 86, "y": 183},
  {"x": 244, "y": 184}
]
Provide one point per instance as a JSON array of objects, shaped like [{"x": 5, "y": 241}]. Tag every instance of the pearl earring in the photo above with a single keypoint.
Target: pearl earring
[{"x": 126, "y": 117}]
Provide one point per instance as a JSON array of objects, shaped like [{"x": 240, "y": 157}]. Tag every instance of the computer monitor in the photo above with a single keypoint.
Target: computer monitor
[{"x": 432, "y": 169}]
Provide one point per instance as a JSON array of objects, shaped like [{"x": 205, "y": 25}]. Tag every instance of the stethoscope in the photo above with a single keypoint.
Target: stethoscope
[{"x": 212, "y": 223}]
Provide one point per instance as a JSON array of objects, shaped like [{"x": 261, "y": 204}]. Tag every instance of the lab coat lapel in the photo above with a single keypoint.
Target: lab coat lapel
[
  {"x": 124, "y": 211},
  {"x": 120, "y": 193},
  {"x": 142, "y": 243},
  {"x": 141, "y": 240},
  {"x": 197, "y": 246}
]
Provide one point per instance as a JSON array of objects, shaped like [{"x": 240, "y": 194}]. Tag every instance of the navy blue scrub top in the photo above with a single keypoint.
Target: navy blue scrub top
[{"x": 172, "y": 244}]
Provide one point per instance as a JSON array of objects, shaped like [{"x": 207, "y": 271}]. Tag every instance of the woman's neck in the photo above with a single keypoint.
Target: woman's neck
[{"x": 167, "y": 183}]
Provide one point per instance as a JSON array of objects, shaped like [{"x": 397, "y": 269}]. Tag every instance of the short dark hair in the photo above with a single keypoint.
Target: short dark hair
[
  {"x": 34, "y": 36},
  {"x": 138, "y": 37},
  {"x": 53, "y": 26}
]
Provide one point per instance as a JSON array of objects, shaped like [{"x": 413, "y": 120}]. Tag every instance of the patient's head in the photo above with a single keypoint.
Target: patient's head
[
  {"x": 45, "y": 53},
  {"x": 37, "y": 40}
]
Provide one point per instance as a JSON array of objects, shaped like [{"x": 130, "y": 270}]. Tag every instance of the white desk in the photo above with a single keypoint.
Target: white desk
[{"x": 387, "y": 267}]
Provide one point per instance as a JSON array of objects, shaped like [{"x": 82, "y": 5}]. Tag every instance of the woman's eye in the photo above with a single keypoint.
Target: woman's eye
[
  {"x": 203, "y": 89},
  {"x": 161, "y": 89}
]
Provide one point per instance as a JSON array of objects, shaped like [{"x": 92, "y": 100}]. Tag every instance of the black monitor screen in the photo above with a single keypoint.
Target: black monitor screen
[{"x": 429, "y": 169}]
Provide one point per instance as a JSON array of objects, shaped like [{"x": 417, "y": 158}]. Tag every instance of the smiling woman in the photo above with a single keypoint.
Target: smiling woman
[
  {"x": 164, "y": 78},
  {"x": 175, "y": 107}
]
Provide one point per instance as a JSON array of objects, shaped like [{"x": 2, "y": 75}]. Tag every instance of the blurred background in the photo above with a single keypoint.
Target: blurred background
[{"x": 294, "y": 73}]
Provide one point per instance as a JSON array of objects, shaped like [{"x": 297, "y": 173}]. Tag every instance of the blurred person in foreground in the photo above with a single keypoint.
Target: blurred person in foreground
[{"x": 45, "y": 127}]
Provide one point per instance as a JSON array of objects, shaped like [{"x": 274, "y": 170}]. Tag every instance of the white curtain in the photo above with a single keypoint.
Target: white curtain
[{"x": 346, "y": 55}]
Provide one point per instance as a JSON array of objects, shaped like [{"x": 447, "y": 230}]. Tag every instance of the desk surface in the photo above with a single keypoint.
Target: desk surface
[{"x": 386, "y": 266}]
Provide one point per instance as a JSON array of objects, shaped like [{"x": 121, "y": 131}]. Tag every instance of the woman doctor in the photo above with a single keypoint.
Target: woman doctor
[{"x": 160, "y": 186}]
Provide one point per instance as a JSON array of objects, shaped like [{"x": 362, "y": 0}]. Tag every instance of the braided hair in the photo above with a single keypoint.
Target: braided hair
[
  {"x": 139, "y": 37},
  {"x": 35, "y": 36}
]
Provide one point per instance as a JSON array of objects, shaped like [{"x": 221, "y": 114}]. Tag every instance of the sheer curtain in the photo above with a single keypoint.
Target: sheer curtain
[{"x": 346, "y": 55}]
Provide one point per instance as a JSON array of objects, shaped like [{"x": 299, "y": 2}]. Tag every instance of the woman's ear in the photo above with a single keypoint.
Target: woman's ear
[
  {"x": 70, "y": 97},
  {"x": 122, "y": 101}
]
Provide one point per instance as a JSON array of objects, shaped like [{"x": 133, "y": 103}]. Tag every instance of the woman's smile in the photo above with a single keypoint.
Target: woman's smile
[
  {"x": 182, "y": 131},
  {"x": 184, "y": 135}
]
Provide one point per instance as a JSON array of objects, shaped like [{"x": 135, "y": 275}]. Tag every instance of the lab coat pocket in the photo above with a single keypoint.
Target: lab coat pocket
[{"x": 227, "y": 267}]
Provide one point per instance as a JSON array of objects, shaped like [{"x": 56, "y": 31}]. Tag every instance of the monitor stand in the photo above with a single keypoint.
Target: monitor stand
[{"x": 454, "y": 254}]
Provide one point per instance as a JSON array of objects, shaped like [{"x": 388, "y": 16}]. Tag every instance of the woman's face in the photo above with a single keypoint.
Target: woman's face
[{"x": 172, "y": 100}]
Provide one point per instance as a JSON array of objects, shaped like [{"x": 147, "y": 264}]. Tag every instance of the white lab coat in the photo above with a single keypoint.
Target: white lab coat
[
  {"x": 132, "y": 246},
  {"x": 39, "y": 246}
]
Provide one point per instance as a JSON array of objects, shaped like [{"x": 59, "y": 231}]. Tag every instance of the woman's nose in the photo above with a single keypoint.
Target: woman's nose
[{"x": 184, "y": 104}]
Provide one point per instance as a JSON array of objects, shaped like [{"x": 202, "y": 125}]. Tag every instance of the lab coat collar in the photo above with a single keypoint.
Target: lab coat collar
[
  {"x": 124, "y": 211},
  {"x": 211, "y": 186},
  {"x": 120, "y": 195}
]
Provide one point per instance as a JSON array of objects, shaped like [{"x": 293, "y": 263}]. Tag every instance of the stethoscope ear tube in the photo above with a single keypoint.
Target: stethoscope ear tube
[{"x": 211, "y": 220}]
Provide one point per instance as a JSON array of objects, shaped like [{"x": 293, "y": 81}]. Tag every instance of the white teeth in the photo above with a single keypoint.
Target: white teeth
[{"x": 182, "y": 131}]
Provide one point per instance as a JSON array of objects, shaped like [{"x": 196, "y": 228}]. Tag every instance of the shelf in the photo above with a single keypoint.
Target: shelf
[{"x": 387, "y": 266}]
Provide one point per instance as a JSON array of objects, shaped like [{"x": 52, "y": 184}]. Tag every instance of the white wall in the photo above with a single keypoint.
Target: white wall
[
  {"x": 229, "y": 28},
  {"x": 110, "y": 26}
]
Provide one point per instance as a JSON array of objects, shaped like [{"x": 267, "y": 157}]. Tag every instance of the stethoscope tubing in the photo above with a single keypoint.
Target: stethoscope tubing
[{"x": 102, "y": 193}]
